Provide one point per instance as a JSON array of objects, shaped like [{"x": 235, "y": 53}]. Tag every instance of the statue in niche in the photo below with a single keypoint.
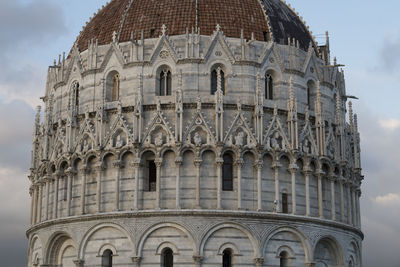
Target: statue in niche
[
  {"x": 331, "y": 149},
  {"x": 229, "y": 141},
  {"x": 250, "y": 142},
  {"x": 239, "y": 139},
  {"x": 119, "y": 142},
  {"x": 197, "y": 139},
  {"x": 306, "y": 146},
  {"x": 85, "y": 146},
  {"x": 274, "y": 141},
  {"x": 158, "y": 140},
  {"x": 148, "y": 140}
]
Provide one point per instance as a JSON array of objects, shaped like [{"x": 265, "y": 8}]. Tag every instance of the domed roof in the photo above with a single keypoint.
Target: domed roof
[{"x": 264, "y": 18}]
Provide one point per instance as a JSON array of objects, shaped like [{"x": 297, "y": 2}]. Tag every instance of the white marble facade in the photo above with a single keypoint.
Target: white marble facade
[{"x": 295, "y": 158}]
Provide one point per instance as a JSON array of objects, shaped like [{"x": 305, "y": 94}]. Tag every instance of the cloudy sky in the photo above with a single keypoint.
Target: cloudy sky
[{"x": 365, "y": 36}]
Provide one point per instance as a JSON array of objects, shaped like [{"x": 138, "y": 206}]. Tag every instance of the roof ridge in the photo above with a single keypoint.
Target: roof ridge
[{"x": 124, "y": 17}]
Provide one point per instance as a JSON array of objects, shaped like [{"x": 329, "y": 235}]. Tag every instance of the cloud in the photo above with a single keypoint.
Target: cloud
[
  {"x": 390, "y": 53},
  {"x": 29, "y": 23},
  {"x": 388, "y": 199},
  {"x": 390, "y": 124}
]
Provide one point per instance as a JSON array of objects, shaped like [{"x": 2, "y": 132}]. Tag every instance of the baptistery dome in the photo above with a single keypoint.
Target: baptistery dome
[{"x": 195, "y": 133}]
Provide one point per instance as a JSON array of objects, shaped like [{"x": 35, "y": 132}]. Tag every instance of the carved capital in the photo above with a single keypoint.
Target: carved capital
[
  {"x": 70, "y": 172},
  {"x": 276, "y": 165},
  {"x": 158, "y": 162},
  {"x": 258, "y": 262},
  {"x": 240, "y": 162},
  {"x": 259, "y": 164},
  {"x": 79, "y": 263},
  {"x": 198, "y": 162},
  {"x": 118, "y": 164},
  {"x": 197, "y": 259},
  {"x": 293, "y": 168},
  {"x": 219, "y": 161},
  {"x": 136, "y": 260},
  {"x": 136, "y": 163},
  {"x": 84, "y": 168},
  {"x": 178, "y": 161},
  {"x": 99, "y": 167}
]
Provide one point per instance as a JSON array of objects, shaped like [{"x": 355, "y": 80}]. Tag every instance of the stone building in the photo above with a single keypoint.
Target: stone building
[{"x": 195, "y": 133}]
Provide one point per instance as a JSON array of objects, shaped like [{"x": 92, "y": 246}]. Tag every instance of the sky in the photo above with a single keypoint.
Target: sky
[{"x": 364, "y": 36}]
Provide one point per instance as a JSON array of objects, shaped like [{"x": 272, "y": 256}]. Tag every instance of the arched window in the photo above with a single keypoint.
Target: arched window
[
  {"x": 112, "y": 86},
  {"x": 284, "y": 259},
  {"x": 285, "y": 204},
  {"x": 152, "y": 176},
  {"x": 115, "y": 91},
  {"x": 75, "y": 95},
  {"x": 167, "y": 258},
  {"x": 227, "y": 173},
  {"x": 215, "y": 74},
  {"x": 106, "y": 258},
  {"x": 165, "y": 82},
  {"x": 227, "y": 258},
  {"x": 310, "y": 93},
  {"x": 269, "y": 87}
]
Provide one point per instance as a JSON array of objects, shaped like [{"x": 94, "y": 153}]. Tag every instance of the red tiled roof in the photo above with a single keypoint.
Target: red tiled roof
[{"x": 127, "y": 16}]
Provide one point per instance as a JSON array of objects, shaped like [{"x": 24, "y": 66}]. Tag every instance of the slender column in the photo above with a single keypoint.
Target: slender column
[
  {"x": 34, "y": 204},
  {"x": 258, "y": 262},
  {"x": 353, "y": 194},
  {"x": 118, "y": 165},
  {"x": 39, "y": 206},
  {"x": 99, "y": 168},
  {"x": 320, "y": 200},
  {"x": 197, "y": 164},
  {"x": 178, "y": 163},
  {"x": 239, "y": 164},
  {"x": 358, "y": 207},
  {"x": 47, "y": 181},
  {"x": 341, "y": 180},
  {"x": 310, "y": 264},
  {"x": 158, "y": 163},
  {"x": 31, "y": 193},
  {"x": 83, "y": 171},
  {"x": 259, "y": 185},
  {"x": 219, "y": 162},
  {"x": 333, "y": 206},
  {"x": 275, "y": 167},
  {"x": 349, "y": 221},
  {"x": 55, "y": 205},
  {"x": 292, "y": 170},
  {"x": 70, "y": 174},
  {"x": 307, "y": 172},
  {"x": 136, "y": 164}
]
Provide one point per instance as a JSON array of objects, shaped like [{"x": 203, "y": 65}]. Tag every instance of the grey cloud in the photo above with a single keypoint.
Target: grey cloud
[
  {"x": 16, "y": 124},
  {"x": 381, "y": 167},
  {"x": 390, "y": 54},
  {"x": 35, "y": 22}
]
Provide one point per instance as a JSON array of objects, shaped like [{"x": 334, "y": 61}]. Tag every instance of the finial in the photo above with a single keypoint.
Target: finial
[
  {"x": 355, "y": 123},
  {"x": 163, "y": 29},
  {"x": 275, "y": 109},
  {"x": 338, "y": 104},
  {"x": 291, "y": 91},
  {"x": 239, "y": 104},
  {"x": 198, "y": 103},
  {"x": 218, "y": 28},
  {"x": 351, "y": 113},
  {"x": 114, "y": 37}
]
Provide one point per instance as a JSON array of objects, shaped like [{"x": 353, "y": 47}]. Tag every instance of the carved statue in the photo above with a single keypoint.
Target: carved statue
[
  {"x": 239, "y": 139},
  {"x": 250, "y": 142},
  {"x": 274, "y": 141},
  {"x": 331, "y": 149},
  {"x": 85, "y": 146},
  {"x": 306, "y": 147},
  {"x": 119, "y": 142},
  {"x": 197, "y": 139},
  {"x": 158, "y": 140}
]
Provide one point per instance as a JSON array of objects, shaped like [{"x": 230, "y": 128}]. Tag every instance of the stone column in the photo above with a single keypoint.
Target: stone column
[
  {"x": 239, "y": 164},
  {"x": 354, "y": 206},
  {"x": 70, "y": 175},
  {"x": 310, "y": 264},
  {"x": 34, "y": 203},
  {"x": 55, "y": 201},
  {"x": 258, "y": 262},
  {"x": 292, "y": 170},
  {"x": 320, "y": 200},
  {"x": 83, "y": 171},
  {"x": 341, "y": 180},
  {"x": 197, "y": 260},
  {"x": 99, "y": 169},
  {"x": 259, "y": 184},
  {"x": 31, "y": 193},
  {"x": 47, "y": 181},
  {"x": 118, "y": 165},
  {"x": 275, "y": 166},
  {"x": 219, "y": 162},
  {"x": 358, "y": 207},
  {"x": 333, "y": 206},
  {"x": 197, "y": 164},
  {"x": 158, "y": 162},
  {"x": 136, "y": 165},
  {"x": 307, "y": 172},
  {"x": 39, "y": 206},
  {"x": 348, "y": 185},
  {"x": 178, "y": 163}
]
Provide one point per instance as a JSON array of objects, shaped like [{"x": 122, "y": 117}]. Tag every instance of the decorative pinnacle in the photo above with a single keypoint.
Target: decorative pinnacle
[
  {"x": 163, "y": 29},
  {"x": 351, "y": 114},
  {"x": 338, "y": 104},
  {"x": 291, "y": 91}
]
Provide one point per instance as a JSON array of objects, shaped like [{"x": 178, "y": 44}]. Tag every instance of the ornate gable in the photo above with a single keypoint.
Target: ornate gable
[{"x": 275, "y": 137}]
